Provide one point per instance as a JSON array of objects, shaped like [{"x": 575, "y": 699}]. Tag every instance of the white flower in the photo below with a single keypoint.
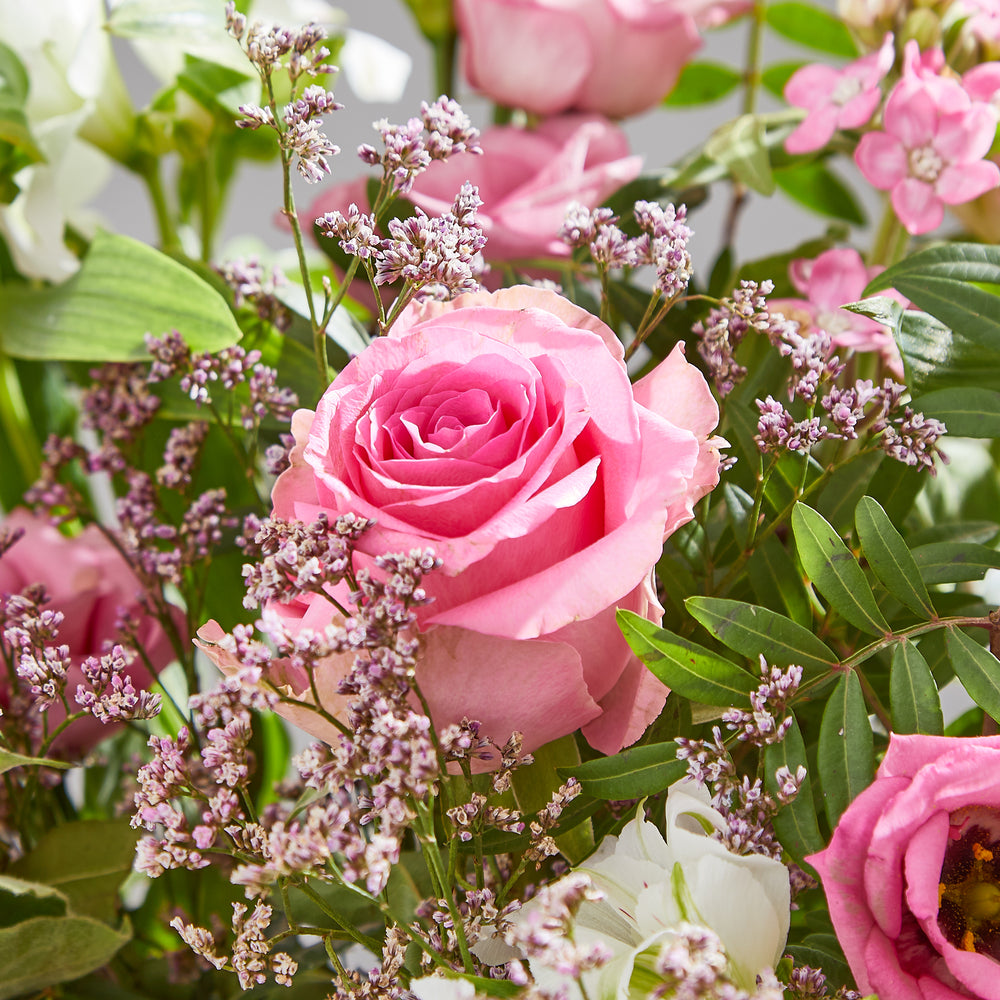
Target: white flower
[
  {"x": 652, "y": 886},
  {"x": 76, "y": 93},
  {"x": 442, "y": 988}
]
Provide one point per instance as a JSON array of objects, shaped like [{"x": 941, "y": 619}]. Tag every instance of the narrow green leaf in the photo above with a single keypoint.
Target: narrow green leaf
[
  {"x": 631, "y": 774},
  {"x": 896, "y": 487},
  {"x": 830, "y": 960},
  {"x": 978, "y": 670},
  {"x": 44, "y": 951},
  {"x": 772, "y": 572},
  {"x": 87, "y": 860},
  {"x": 819, "y": 189},
  {"x": 849, "y": 483},
  {"x": 775, "y": 77},
  {"x": 740, "y": 147},
  {"x": 846, "y": 752},
  {"x": 702, "y": 83},
  {"x": 966, "y": 412},
  {"x": 10, "y": 760},
  {"x": 812, "y": 27},
  {"x": 124, "y": 290},
  {"x": 913, "y": 695},
  {"x": 685, "y": 667},
  {"x": 795, "y": 823},
  {"x": 739, "y": 505},
  {"x": 835, "y": 572},
  {"x": 954, "y": 562},
  {"x": 890, "y": 559},
  {"x": 754, "y": 630},
  {"x": 979, "y": 532}
]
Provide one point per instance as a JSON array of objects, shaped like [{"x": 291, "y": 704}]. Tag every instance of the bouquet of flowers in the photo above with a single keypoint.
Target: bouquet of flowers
[{"x": 474, "y": 599}]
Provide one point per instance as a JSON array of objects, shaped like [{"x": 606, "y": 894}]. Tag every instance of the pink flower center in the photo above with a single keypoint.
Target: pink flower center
[
  {"x": 969, "y": 890},
  {"x": 925, "y": 164}
]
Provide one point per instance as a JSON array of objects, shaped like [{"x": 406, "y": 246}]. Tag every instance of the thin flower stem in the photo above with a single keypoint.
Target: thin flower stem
[
  {"x": 891, "y": 239},
  {"x": 149, "y": 170},
  {"x": 874, "y": 703},
  {"x": 343, "y": 924}
]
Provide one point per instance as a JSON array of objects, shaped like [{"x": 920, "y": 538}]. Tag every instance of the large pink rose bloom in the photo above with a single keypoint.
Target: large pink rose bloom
[
  {"x": 912, "y": 874},
  {"x": 89, "y": 582},
  {"x": 527, "y": 179},
  {"x": 616, "y": 57},
  {"x": 501, "y": 430}
]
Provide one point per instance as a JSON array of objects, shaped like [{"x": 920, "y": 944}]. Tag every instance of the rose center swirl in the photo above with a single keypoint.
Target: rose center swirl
[{"x": 969, "y": 890}]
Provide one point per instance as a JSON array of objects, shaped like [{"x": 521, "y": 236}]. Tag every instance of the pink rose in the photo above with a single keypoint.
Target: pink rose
[
  {"x": 527, "y": 178},
  {"x": 88, "y": 581},
  {"x": 616, "y": 57},
  {"x": 501, "y": 430},
  {"x": 912, "y": 874}
]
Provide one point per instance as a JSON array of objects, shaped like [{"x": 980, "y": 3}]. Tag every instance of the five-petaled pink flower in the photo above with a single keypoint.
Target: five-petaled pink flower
[
  {"x": 931, "y": 152},
  {"x": 836, "y": 98}
]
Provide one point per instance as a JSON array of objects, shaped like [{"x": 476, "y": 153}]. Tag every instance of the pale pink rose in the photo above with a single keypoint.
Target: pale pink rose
[
  {"x": 911, "y": 875},
  {"x": 501, "y": 430},
  {"x": 932, "y": 151},
  {"x": 527, "y": 178},
  {"x": 616, "y": 57},
  {"x": 835, "y": 278},
  {"x": 836, "y": 98},
  {"x": 89, "y": 582}
]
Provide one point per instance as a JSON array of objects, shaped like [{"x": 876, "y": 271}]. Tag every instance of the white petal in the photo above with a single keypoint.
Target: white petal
[{"x": 375, "y": 70}]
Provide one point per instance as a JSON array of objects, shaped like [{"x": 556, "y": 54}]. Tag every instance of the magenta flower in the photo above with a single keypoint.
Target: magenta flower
[
  {"x": 931, "y": 152},
  {"x": 836, "y": 98}
]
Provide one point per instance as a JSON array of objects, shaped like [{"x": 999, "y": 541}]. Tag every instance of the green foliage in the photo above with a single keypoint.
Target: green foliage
[
  {"x": 954, "y": 562},
  {"x": 846, "y": 750},
  {"x": 795, "y": 824},
  {"x": 818, "y": 188},
  {"x": 702, "y": 83},
  {"x": 124, "y": 290},
  {"x": 740, "y": 147},
  {"x": 9, "y": 760},
  {"x": 775, "y": 77},
  {"x": 631, "y": 774},
  {"x": 976, "y": 668},
  {"x": 916, "y": 705},
  {"x": 812, "y": 27},
  {"x": 968, "y": 412}
]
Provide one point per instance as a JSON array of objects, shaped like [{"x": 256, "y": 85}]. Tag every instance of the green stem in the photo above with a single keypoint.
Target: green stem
[
  {"x": 149, "y": 171},
  {"x": 445, "y": 47},
  {"x": 755, "y": 48},
  {"x": 891, "y": 239},
  {"x": 344, "y": 925}
]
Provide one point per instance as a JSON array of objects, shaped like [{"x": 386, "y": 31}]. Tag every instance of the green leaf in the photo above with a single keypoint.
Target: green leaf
[
  {"x": 966, "y": 412},
  {"x": 45, "y": 950},
  {"x": 687, "y": 668},
  {"x": 830, "y": 960},
  {"x": 10, "y": 760},
  {"x": 702, "y": 83},
  {"x": 812, "y": 27},
  {"x": 818, "y": 188},
  {"x": 754, "y": 630},
  {"x": 896, "y": 487},
  {"x": 631, "y": 774},
  {"x": 979, "y": 532},
  {"x": 775, "y": 77},
  {"x": 978, "y": 670},
  {"x": 913, "y": 695},
  {"x": 954, "y": 562},
  {"x": 795, "y": 823},
  {"x": 21, "y": 900},
  {"x": 846, "y": 752},
  {"x": 740, "y": 147},
  {"x": 835, "y": 572},
  {"x": 881, "y": 308},
  {"x": 86, "y": 860},
  {"x": 939, "y": 358},
  {"x": 124, "y": 290},
  {"x": 848, "y": 484},
  {"x": 773, "y": 573},
  {"x": 218, "y": 88},
  {"x": 890, "y": 559}
]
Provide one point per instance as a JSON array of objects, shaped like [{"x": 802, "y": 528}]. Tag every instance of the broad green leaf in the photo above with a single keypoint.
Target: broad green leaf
[
  {"x": 936, "y": 357},
  {"x": 890, "y": 559},
  {"x": 687, "y": 668},
  {"x": 86, "y": 860},
  {"x": 124, "y": 290},
  {"x": 835, "y": 572},
  {"x": 740, "y": 147},
  {"x": 775, "y": 77},
  {"x": 218, "y": 88},
  {"x": 702, "y": 83},
  {"x": 534, "y": 786},
  {"x": 631, "y": 774},
  {"x": 958, "y": 262},
  {"x": 881, "y": 308},
  {"x": 818, "y": 188},
  {"x": 754, "y": 630},
  {"x": 954, "y": 562},
  {"x": 913, "y": 695},
  {"x": 45, "y": 950},
  {"x": 795, "y": 824},
  {"x": 812, "y": 27},
  {"x": 846, "y": 752},
  {"x": 21, "y": 900},
  {"x": 10, "y": 760},
  {"x": 773, "y": 573},
  {"x": 979, "y": 532},
  {"x": 978, "y": 670},
  {"x": 966, "y": 412},
  {"x": 830, "y": 960}
]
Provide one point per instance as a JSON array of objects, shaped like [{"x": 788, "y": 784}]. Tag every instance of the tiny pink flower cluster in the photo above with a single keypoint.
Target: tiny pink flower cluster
[{"x": 936, "y": 129}]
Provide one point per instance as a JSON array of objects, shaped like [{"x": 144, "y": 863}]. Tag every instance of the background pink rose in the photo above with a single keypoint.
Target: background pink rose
[
  {"x": 616, "y": 57},
  {"x": 912, "y": 872},
  {"x": 89, "y": 582},
  {"x": 527, "y": 178},
  {"x": 501, "y": 430}
]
